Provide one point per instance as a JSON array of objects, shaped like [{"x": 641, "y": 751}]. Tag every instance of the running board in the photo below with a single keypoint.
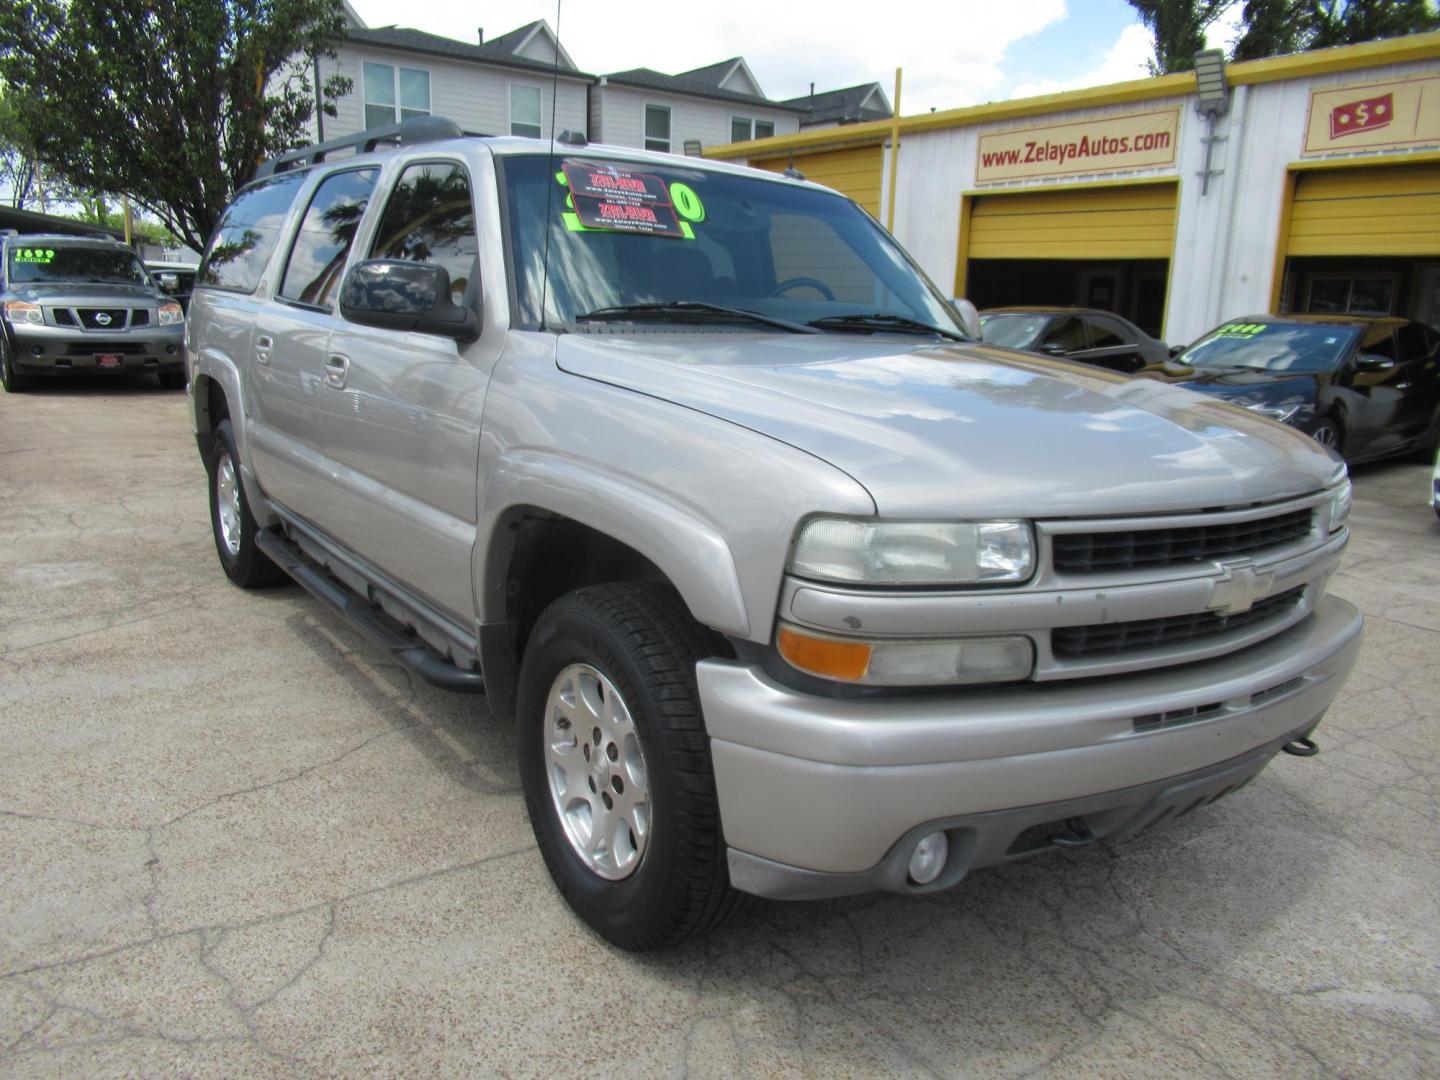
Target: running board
[{"x": 376, "y": 625}]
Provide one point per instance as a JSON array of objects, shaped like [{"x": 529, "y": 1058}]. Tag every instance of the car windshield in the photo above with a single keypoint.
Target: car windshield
[
  {"x": 1012, "y": 331},
  {"x": 1275, "y": 346},
  {"x": 624, "y": 234},
  {"x": 48, "y": 262}
]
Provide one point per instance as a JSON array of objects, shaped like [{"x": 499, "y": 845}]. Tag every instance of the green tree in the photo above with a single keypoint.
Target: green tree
[
  {"x": 1272, "y": 27},
  {"x": 19, "y": 169},
  {"x": 1178, "y": 27},
  {"x": 172, "y": 101}
]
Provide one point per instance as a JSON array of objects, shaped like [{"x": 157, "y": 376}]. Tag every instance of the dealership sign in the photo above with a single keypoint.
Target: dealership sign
[
  {"x": 1374, "y": 116},
  {"x": 1103, "y": 145}
]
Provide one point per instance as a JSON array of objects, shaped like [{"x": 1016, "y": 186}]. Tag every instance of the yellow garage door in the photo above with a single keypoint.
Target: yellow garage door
[
  {"x": 1131, "y": 221},
  {"x": 854, "y": 172},
  {"x": 1381, "y": 210}
]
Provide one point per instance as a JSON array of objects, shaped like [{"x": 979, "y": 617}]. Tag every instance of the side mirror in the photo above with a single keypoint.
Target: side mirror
[
  {"x": 1050, "y": 348},
  {"x": 169, "y": 282},
  {"x": 395, "y": 294},
  {"x": 1369, "y": 362},
  {"x": 969, "y": 317},
  {"x": 1176, "y": 350}
]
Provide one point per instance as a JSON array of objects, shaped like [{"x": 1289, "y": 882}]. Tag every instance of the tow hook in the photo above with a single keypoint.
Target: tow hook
[
  {"x": 1302, "y": 747},
  {"x": 1078, "y": 836}
]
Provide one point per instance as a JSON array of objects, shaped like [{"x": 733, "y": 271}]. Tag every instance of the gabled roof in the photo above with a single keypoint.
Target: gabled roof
[
  {"x": 501, "y": 51},
  {"x": 850, "y": 105},
  {"x": 700, "y": 82}
]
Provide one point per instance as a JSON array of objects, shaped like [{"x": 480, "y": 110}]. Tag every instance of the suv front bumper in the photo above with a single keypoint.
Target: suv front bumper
[
  {"x": 827, "y": 796},
  {"x": 58, "y": 350}
]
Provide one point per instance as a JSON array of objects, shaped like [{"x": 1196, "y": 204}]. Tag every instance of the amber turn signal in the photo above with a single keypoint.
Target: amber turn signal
[{"x": 832, "y": 659}]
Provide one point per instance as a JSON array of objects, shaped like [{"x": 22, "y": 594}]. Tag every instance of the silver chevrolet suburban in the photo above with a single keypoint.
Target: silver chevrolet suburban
[{"x": 792, "y": 588}]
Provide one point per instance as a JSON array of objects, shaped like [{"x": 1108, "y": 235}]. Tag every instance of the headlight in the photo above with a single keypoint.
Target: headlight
[
  {"x": 1283, "y": 413},
  {"x": 171, "y": 314},
  {"x": 914, "y": 553},
  {"x": 907, "y": 663},
  {"x": 1340, "y": 502},
  {"x": 18, "y": 311}
]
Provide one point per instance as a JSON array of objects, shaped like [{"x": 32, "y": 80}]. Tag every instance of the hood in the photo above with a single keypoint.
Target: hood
[
  {"x": 968, "y": 429},
  {"x": 1256, "y": 387},
  {"x": 82, "y": 294}
]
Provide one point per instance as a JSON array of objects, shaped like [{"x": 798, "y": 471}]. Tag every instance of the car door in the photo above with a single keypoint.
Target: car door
[
  {"x": 292, "y": 333},
  {"x": 1112, "y": 344},
  {"x": 1377, "y": 383},
  {"x": 402, "y": 421},
  {"x": 1420, "y": 383}
]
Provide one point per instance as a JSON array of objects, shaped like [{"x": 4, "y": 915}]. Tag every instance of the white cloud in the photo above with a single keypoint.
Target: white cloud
[
  {"x": 1221, "y": 34},
  {"x": 952, "y": 53},
  {"x": 1124, "y": 60}
]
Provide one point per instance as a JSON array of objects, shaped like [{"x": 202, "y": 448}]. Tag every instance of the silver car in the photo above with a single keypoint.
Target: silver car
[
  {"x": 73, "y": 304},
  {"x": 791, "y": 588}
]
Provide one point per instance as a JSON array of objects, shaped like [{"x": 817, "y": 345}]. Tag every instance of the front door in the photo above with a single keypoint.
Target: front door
[{"x": 402, "y": 423}]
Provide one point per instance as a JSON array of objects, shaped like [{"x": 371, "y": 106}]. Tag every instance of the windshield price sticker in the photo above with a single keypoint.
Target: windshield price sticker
[
  {"x": 34, "y": 255},
  {"x": 1240, "y": 330},
  {"x": 614, "y": 199}
]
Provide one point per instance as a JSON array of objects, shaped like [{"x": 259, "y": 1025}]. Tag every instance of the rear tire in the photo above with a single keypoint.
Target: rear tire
[
  {"x": 620, "y": 659},
  {"x": 230, "y": 518},
  {"x": 171, "y": 380},
  {"x": 13, "y": 381}
]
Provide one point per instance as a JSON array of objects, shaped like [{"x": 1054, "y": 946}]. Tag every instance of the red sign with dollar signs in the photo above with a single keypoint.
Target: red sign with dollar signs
[{"x": 1366, "y": 115}]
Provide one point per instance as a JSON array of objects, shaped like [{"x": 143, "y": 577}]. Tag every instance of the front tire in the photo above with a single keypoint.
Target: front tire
[
  {"x": 616, "y": 765},
  {"x": 230, "y": 518},
  {"x": 12, "y": 380},
  {"x": 1327, "y": 433}
]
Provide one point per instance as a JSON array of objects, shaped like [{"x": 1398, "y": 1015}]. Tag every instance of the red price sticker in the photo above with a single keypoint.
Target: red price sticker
[{"x": 616, "y": 199}]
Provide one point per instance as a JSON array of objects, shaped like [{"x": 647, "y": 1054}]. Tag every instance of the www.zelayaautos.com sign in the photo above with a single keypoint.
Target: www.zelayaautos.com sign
[{"x": 1105, "y": 145}]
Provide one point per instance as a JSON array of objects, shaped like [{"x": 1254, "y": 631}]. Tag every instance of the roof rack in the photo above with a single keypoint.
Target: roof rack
[{"x": 411, "y": 132}]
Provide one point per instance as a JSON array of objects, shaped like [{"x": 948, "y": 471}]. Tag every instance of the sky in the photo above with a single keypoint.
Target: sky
[{"x": 959, "y": 53}]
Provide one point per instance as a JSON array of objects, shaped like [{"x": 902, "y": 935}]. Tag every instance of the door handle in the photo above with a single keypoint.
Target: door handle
[
  {"x": 263, "y": 345},
  {"x": 337, "y": 367}
]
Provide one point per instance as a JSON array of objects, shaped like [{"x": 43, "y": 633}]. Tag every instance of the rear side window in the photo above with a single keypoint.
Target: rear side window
[
  {"x": 430, "y": 219},
  {"x": 322, "y": 245},
  {"x": 1069, "y": 333},
  {"x": 1379, "y": 341},
  {"x": 1414, "y": 342},
  {"x": 247, "y": 234},
  {"x": 1108, "y": 334}
]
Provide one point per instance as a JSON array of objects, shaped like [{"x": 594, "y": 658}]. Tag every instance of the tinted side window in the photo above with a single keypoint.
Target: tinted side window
[
  {"x": 430, "y": 219},
  {"x": 1378, "y": 341},
  {"x": 317, "y": 258},
  {"x": 247, "y": 233},
  {"x": 1108, "y": 334},
  {"x": 1068, "y": 332},
  {"x": 1413, "y": 343}
]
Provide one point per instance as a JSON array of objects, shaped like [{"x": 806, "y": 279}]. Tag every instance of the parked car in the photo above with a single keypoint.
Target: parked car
[
  {"x": 73, "y": 303},
  {"x": 176, "y": 280},
  {"x": 1082, "y": 334},
  {"x": 1367, "y": 387},
  {"x": 790, "y": 588}
]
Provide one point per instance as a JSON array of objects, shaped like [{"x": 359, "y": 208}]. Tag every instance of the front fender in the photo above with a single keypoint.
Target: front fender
[{"x": 210, "y": 366}]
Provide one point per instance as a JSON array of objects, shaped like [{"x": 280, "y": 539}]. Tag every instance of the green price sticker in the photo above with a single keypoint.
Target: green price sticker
[
  {"x": 34, "y": 255},
  {"x": 687, "y": 203},
  {"x": 1240, "y": 330}
]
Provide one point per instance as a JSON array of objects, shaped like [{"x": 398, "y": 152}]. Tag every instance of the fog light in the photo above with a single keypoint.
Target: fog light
[{"x": 928, "y": 858}]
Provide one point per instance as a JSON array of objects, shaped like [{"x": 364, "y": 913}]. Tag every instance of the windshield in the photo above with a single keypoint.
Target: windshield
[
  {"x": 57, "y": 262},
  {"x": 1012, "y": 331},
  {"x": 1300, "y": 347},
  {"x": 624, "y": 233}
]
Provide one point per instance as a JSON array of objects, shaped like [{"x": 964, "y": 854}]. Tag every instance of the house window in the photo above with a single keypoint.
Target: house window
[
  {"x": 657, "y": 127},
  {"x": 1347, "y": 294},
  {"x": 525, "y": 111},
  {"x": 394, "y": 93},
  {"x": 743, "y": 129}
]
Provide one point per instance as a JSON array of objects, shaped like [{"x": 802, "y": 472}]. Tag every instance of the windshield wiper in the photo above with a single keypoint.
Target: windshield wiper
[
  {"x": 688, "y": 311},
  {"x": 882, "y": 320}
]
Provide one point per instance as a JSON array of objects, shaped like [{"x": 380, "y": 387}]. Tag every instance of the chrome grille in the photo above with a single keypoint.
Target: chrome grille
[
  {"x": 103, "y": 318},
  {"x": 1081, "y": 553},
  {"x": 1112, "y": 639}
]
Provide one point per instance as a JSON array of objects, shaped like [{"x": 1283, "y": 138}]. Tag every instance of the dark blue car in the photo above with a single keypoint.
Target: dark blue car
[{"x": 1368, "y": 387}]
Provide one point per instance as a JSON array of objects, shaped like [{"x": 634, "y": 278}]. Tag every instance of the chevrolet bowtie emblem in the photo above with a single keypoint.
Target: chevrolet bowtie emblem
[{"x": 1239, "y": 587}]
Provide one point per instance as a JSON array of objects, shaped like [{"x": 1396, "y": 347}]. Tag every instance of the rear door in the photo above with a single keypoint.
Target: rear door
[
  {"x": 402, "y": 414},
  {"x": 1112, "y": 345}
]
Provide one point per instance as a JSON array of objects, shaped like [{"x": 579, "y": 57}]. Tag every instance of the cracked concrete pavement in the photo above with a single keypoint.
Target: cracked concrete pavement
[{"x": 239, "y": 841}]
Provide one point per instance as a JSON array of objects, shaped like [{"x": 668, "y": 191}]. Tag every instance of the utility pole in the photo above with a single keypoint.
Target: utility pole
[{"x": 894, "y": 154}]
